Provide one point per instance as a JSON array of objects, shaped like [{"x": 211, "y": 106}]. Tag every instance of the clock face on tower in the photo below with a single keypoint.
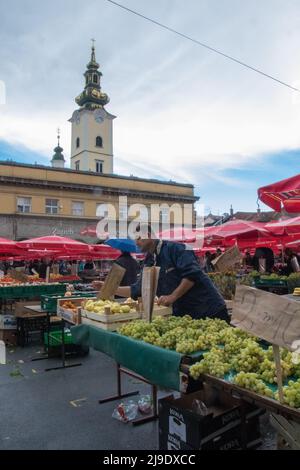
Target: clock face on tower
[{"x": 99, "y": 115}]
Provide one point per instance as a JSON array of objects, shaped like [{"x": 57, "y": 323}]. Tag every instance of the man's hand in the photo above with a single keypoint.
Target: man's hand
[
  {"x": 97, "y": 285},
  {"x": 166, "y": 300}
]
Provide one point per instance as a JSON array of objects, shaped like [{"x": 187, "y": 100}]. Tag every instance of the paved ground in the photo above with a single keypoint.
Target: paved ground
[{"x": 36, "y": 410}]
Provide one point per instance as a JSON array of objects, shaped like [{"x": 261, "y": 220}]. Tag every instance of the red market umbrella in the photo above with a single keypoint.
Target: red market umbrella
[
  {"x": 235, "y": 229},
  {"x": 54, "y": 243},
  {"x": 181, "y": 234},
  {"x": 104, "y": 252},
  {"x": 284, "y": 227},
  {"x": 7, "y": 245},
  {"x": 91, "y": 231},
  {"x": 284, "y": 194}
]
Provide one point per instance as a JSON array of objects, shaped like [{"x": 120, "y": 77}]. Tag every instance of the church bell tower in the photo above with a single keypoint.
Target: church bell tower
[{"x": 92, "y": 125}]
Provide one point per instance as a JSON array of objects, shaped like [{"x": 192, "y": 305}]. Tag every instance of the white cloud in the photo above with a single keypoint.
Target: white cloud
[{"x": 178, "y": 106}]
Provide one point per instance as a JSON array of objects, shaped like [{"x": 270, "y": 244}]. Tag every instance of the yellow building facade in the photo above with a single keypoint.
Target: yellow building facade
[{"x": 37, "y": 200}]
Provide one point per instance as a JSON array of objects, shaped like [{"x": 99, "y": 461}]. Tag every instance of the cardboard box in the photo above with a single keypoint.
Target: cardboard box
[
  {"x": 9, "y": 337},
  {"x": 223, "y": 427}
]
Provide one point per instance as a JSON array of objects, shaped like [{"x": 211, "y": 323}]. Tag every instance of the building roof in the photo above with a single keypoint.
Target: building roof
[
  {"x": 38, "y": 176},
  {"x": 102, "y": 175},
  {"x": 258, "y": 216}
]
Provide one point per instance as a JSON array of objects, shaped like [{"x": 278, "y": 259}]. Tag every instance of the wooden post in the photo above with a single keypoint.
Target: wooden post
[
  {"x": 48, "y": 274},
  {"x": 276, "y": 352},
  {"x": 149, "y": 287}
]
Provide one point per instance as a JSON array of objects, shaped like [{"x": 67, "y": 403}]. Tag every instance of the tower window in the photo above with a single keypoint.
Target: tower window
[
  {"x": 99, "y": 141},
  {"x": 77, "y": 142},
  {"x": 99, "y": 166},
  {"x": 77, "y": 165},
  {"x": 95, "y": 78}
]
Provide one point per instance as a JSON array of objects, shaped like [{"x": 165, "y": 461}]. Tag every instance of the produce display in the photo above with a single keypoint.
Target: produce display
[
  {"x": 106, "y": 306},
  {"x": 64, "y": 278},
  {"x": 84, "y": 287},
  {"x": 8, "y": 281},
  {"x": 225, "y": 282},
  {"x": 291, "y": 394},
  {"x": 228, "y": 353},
  {"x": 251, "y": 381},
  {"x": 69, "y": 305},
  {"x": 182, "y": 334}
]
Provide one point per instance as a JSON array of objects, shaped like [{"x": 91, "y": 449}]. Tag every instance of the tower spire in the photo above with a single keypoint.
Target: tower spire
[
  {"x": 58, "y": 160},
  {"x": 92, "y": 97},
  {"x": 93, "y": 55},
  {"x": 58, "y": 136}
]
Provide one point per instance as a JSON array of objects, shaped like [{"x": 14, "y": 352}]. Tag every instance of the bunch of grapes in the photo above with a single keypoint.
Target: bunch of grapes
[
  {"x": 249, "y": 359},
  {"x": 267, "y": 370},
  {"x": 233, "y": 345},
  {"x": 187, "y": 346},
  {"x": 152, "y": 337},
  {"x": 243, "y": 334},
  {"x": 251, "y": 381},
  {"x": 168, "y": 340},
  {"x": 291, "y": 394},
  {"x": 137, "y": 330},
  {"x": 212, "y": 363}
]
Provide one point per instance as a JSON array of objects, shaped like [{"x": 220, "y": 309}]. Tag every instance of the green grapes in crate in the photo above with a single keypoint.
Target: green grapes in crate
[
  {"x": 291, "y": 394},
  {"x": 212, "y": 363},
  {"x": 249, "y": 358},
  {"x": 267, "y": 370},
  {"x": 251, "y": 381}
]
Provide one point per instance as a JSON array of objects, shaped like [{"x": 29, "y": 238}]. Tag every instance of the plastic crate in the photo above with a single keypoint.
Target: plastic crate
[
  {"x": 49, "y": 302},
  {"x": 55, "y": 338},
  {"x": 270, "y": 282}
]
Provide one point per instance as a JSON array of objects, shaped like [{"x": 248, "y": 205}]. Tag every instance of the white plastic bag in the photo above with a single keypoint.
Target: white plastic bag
[
  {"x": 145, "y": 404},
  {"x": 126, "y": 411}
]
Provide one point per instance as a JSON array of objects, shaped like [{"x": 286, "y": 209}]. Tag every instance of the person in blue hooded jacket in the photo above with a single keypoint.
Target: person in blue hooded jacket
[{"x": 182, "y": 284}]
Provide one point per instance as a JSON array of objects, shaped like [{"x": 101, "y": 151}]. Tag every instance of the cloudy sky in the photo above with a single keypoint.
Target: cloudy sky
[{"x": 184, "y": 113}]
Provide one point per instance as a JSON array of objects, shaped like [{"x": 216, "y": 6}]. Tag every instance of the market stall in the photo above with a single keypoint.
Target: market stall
[{"x": 182, "y": 354}]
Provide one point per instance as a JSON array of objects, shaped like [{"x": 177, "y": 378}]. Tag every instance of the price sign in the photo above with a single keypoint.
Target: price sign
[{"x": 268, "y": 316}]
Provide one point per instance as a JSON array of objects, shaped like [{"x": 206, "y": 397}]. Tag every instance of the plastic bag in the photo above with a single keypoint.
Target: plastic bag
[
  {"x": 145, "y": 404},
  {"x": 126, "y": 411}
]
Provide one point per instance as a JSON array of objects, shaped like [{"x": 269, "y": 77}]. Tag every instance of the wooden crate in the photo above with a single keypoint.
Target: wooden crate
[
  {"x": 110, "y": 318},
  {"x": 161, "y": 311},
  {"x": 113, "y": 326},
  {"x": 67, "y": 314}
]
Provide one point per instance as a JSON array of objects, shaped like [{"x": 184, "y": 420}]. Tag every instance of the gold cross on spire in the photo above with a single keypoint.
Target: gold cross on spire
[
  {"x": 58, "y": 135},
  {"x": 93, "y": 43}
]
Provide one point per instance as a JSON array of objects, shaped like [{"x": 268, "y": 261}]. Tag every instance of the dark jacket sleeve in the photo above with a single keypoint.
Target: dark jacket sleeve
[{"x": 185, "y": 262}]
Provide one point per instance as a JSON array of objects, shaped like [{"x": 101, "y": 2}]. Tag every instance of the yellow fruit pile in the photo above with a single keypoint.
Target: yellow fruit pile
[{"x": 100, "y": 306}]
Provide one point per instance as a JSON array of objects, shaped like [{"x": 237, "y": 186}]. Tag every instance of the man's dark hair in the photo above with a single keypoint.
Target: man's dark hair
[{"x": 144, "y": 228}]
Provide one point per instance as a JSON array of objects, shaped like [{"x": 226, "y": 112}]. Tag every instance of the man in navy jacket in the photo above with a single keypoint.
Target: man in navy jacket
[{"x": 182, "y": 284}]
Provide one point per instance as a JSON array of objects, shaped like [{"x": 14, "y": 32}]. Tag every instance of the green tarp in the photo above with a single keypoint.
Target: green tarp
[{"x": 159, "y": 366}]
